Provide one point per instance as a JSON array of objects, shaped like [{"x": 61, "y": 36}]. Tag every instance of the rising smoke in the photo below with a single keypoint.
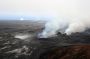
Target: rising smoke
[
  {"x": 71, "y": 16},
  {"x": 65, "y": 27}
]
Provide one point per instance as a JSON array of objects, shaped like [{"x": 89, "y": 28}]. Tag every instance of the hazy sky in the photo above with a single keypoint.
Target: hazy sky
[
  {"x": 37, "y": 8},
  {"x": 14, "y": 6},
  {"x": 25, "y": 8},
  {"x": 10, "y": 8}
]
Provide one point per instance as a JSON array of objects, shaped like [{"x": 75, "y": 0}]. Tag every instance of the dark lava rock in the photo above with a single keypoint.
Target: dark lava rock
[
  {"x": 68, "y": 52},
  {"x": 59, "y": 47}
]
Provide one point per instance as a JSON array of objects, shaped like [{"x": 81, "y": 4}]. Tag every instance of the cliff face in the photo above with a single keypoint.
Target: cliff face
[{"x": 68, "y": 52}]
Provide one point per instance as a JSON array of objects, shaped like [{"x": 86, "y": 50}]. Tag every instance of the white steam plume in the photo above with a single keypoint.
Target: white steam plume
[
  {"x": 64, "y": 26},
  {"x": 23, "y": 36},
  {"x": 71, "y": 16}
]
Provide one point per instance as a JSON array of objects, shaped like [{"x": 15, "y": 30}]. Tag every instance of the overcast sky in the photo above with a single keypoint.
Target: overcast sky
[
  {"x": 25, "y": 8},
  {"x": 37, "y": 8},
  {"x": 11, "y": 9}
]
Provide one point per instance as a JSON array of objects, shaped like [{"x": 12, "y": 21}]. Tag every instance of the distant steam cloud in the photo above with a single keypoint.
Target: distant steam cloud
[
  {"x": 64, "y": 26},
  {"x": 21, "y": 19},
  {"x": 23, "y": 36},
  {"x": 71, "y": 16}
]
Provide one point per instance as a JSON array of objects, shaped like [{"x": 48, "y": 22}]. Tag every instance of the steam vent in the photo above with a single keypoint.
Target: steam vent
[{"x": 20, "y": 42}]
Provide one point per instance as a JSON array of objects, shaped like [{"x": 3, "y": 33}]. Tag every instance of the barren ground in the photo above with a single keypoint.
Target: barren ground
[{"x": 36, "y": 48}]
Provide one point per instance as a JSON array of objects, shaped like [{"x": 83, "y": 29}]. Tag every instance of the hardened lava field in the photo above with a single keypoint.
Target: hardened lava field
[{"x": 75, "y": 46}]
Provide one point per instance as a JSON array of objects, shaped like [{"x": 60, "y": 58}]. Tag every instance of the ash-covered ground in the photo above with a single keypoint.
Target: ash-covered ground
[{"x": 18, "y": 40}]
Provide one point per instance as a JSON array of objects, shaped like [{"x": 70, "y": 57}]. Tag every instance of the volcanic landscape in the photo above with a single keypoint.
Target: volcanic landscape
[{"x": 18, "y": 40}]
